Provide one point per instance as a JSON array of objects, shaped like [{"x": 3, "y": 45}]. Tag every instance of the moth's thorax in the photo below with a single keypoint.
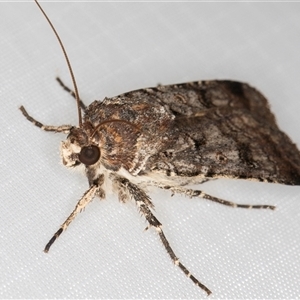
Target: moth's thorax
[{"x": 127, "y": 131}]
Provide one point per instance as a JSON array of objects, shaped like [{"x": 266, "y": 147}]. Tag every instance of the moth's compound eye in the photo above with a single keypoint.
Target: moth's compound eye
[{"x": 89, "y": 155}]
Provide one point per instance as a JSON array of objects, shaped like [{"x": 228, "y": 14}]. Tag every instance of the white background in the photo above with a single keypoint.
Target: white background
[{"x": 115, "y": 48}]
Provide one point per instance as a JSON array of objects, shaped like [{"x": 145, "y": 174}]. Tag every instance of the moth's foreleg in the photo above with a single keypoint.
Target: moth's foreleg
[
  {"x": 197, "y": 193},
  {"x": 62, "y": 128},
  {"x": 88, "y": 196},
  {"x": 142, "y": 201},
  {"x": 72, "y": 93}
]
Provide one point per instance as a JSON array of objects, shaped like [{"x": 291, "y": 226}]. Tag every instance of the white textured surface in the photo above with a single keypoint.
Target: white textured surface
[{"x": 114, "y": 48}]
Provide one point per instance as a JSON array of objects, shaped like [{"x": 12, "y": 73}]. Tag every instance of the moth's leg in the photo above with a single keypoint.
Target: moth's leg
[
  {"x": 94, "y": 190},
  {"x": 62, "y": 128},
  {"x": 197, "y": 193},
  {"x": 142, "y": 202},
  {"x": 82, "y": 105}
]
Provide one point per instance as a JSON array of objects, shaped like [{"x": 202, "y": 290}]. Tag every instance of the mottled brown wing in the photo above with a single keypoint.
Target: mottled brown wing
[{"x": 225, "y": 129}]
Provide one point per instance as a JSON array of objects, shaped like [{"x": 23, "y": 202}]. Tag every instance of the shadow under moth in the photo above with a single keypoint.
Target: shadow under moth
[{"x": 172, "y": 136}]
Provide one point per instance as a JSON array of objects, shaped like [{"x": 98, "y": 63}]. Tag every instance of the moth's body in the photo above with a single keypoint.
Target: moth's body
[
  {"x": 170, "y": 136},
  {"x": 186, "y": 133}
]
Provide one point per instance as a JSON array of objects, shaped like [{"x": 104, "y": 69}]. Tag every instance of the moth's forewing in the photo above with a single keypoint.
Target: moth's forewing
[{"x": 208, "y": 129}]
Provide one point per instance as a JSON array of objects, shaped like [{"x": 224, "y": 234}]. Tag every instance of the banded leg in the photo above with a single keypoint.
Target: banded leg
[
  {"x": 197, "y": 193},
  {"x": 142, "y": 201},
  {"x": 82, "y": 105},
  {"x": 88, "y": 196},
  {"x": 63, "y": 128}
]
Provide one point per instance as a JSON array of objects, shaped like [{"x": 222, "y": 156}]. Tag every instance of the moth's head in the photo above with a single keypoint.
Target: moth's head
[{"x": 78, "y": 149}]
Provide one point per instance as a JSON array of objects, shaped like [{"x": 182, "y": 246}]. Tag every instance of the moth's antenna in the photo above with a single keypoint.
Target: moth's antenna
[{"x": 68, "y": 62}]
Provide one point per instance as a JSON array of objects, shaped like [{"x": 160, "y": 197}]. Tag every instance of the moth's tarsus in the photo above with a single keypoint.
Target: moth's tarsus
[
  {"x": 233, "y": 204},
  {"x": 61, "y": 128},
  {"x": 52, "y": 240},
  {"x": 29, "y": 118},
  {"x": 72, "y": 93},
  {"x": 193, "y": 278},
  {"x": 172, "y": 136}
]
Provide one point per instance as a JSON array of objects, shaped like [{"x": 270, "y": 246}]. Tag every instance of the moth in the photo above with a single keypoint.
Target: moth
[{"x": 170, "y": 137}]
